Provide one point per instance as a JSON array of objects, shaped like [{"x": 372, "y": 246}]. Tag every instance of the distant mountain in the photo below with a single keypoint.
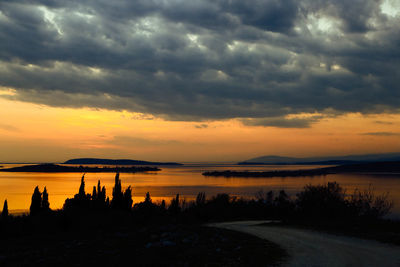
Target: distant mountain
[
  {"x": 334, "y": 160},
  {"x": 95, "y": 161}
]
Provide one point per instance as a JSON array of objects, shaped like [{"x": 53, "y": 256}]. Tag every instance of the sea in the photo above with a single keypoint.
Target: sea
[{"x": 186, "y": 180}]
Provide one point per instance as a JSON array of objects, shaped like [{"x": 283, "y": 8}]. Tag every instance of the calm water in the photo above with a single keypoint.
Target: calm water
[{"x": 186, "y": 180}]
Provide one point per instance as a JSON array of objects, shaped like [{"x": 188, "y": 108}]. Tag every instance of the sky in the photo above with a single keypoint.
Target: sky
[{"x": 199, "y": 80}]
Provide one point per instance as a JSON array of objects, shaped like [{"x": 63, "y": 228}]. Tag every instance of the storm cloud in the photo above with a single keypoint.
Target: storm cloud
[{"x": 203, "y": 60}]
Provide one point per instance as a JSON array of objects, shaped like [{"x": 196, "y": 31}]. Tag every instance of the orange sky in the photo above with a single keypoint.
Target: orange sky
[{"x": 38, "y": 133}]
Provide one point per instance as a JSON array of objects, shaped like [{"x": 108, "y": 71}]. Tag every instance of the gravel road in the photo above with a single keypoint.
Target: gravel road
[{"x": 310, "y": 248}]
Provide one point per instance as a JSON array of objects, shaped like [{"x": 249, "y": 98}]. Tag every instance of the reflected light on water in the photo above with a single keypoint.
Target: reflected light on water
[{"x": 186, "y": 180}]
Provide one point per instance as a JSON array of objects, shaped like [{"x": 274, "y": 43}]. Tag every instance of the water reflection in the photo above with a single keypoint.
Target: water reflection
[{"x": 186, "y": 180}]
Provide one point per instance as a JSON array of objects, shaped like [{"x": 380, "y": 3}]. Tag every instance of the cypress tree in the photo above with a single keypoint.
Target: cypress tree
[
  {"x": 147, "y": 199},
  {"x": 99, "y": 190},
  {"x": 82, "y": 193},
  {"x": 201, "y": 199},
  {"x": 116, "y": 202},
  {"x": 94, "y": 194},
  {"x": 36, "y": 204},
  {"x": 45, "y": 200},
  {"x": 175, "y": 206},
  {"x": 4, "y": 213},
  {"x": 103, "y": 195},
  {"x": 128, "y": 198}
]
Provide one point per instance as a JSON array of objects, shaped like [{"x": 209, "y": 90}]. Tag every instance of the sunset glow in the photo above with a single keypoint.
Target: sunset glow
[{"x": 39, "y": 133}]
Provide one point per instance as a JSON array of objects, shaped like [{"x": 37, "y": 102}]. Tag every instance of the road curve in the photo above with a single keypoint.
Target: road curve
[{"x": 310, "y": 248}]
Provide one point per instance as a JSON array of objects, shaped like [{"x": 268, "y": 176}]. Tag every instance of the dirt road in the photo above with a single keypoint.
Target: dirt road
[{"x": 310, "y": 248}]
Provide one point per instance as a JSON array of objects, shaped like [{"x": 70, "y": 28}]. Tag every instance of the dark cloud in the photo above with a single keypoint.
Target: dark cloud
[
  {"x": 281, "y": 122},
  {"x": 382, "y": 134},
  {"x": 201, "y": 126},
  {"x": 384, "y": 122},
  {"x": 202, "y": 59}
]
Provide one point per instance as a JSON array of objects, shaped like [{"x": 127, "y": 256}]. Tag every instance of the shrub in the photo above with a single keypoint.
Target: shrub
[
  {"x": 370, "y": 206},
  {"x": 322, "y": 201}
]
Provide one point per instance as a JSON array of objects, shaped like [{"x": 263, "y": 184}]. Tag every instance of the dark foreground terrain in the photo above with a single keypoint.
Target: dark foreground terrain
[{"x": 168, "y": 244}]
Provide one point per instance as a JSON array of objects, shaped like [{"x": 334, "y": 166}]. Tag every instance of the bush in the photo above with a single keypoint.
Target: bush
[
  {"x": 331, "y": 202},
  {"x": 322, "y": 201},
  {"x": 366, "y": 204}
]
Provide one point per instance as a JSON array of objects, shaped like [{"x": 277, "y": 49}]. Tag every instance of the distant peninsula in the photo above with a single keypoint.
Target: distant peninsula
[
  {"x": 329, "y": 160},
  {"x": 95, "y": 161},
  {"x": 55, "y": 168},
  {"x": 392, "y": 167}
]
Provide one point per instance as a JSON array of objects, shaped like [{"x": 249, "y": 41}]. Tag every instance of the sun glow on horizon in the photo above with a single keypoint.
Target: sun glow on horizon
[{"x": 36, "y": 133}]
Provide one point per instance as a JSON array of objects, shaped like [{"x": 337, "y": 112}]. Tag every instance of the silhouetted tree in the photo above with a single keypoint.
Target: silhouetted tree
[
  {"x": 94, "y": 194},
  {"x": 117, "y": 200},
  {"x": 282, "y": 198},
  {"x": 101, "y": 193},
  {"x": 175, "y": 206},
  {"x": 45, "y": 200},
  {"x": 260, "y": 196},
  {"x": 80, "y": 200},
  {"x": 102, "y": 196},
  {"x": 269, "y": 198},
  {"x": 81, "y": 192},
  {"x": 127, "y": 199},
  {"x": 4, "y": 213},
  {"x": 98, "y": 187},
  {"x": 201, "y": 199},
  {"x": 147, "y": 199},
  {"x": 99, "y": 197},
  {"x": 221, "y": 200},
  {"x": 36, "y": 204}
]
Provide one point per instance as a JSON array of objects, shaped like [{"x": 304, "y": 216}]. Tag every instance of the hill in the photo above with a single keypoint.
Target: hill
[
  {"x": 96, "y": 161},
  {"x": 330, "y": 160}
]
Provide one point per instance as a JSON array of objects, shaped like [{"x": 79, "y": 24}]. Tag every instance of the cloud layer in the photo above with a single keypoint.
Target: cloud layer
[{"x": 204, "y": 59}]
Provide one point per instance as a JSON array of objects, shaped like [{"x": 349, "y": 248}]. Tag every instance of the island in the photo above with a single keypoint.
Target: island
[
  {"x": 54, "y": 168},
  {"x": 391, "y": 167},
  {"x": 96, "y": 161}
]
